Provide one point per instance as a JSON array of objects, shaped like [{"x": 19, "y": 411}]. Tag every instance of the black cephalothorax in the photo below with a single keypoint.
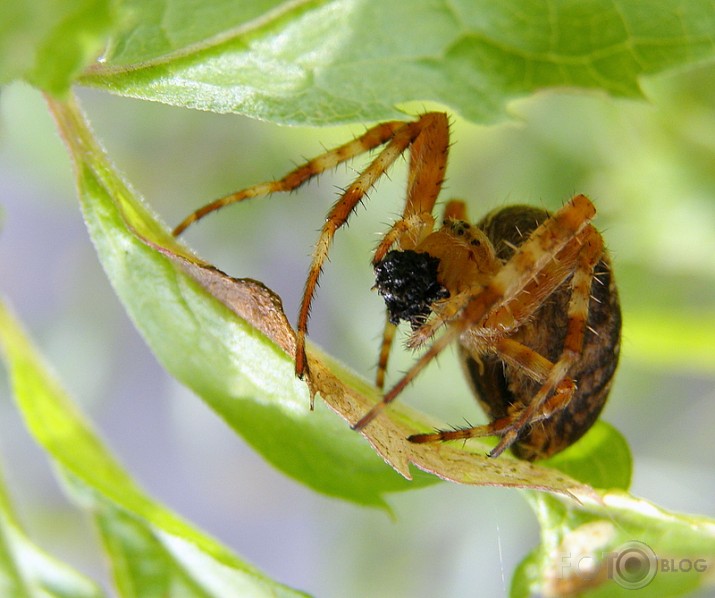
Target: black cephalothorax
[{"x": 407, "y": 281}]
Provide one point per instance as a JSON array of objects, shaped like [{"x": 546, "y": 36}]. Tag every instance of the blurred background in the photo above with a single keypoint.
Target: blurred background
[{"x": 649, "y": 168}]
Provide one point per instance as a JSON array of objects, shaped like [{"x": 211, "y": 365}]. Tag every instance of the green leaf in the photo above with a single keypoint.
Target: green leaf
[
  {"x": 48, "y": 43},
  {"x": 27, "y": 571},
  {"x": 230, "y": 342},
  {"x": 321, "y": 62},
  {"x": 601, "y": 459},
  {"x": 152, "y": 551},
  {"x": 153, "y": 30},
  {"x": 585, "y": 549}
]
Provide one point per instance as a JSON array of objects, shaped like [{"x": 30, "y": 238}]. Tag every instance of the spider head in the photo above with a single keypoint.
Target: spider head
[{"x": 407, "y": 281}]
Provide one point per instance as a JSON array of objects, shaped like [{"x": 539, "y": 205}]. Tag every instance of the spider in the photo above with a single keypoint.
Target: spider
[{"x": 528, "y": 296}]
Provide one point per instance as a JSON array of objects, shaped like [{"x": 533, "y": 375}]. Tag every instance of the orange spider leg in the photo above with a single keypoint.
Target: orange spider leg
[
  {"x": 434, "y": 349},
  {"x": 422, "y": 186},
  {"x": 557, "y": 381},
  {"x": 515, "y": 290},
  {"x": 539, "y": 287},
  {"x": 448, "y": 311},
  {"x": 428, "y": 161},
  {"x": 515, "y": 353},
  {"x": 532, "y": 256},
  {"x": 455, "y": 209},
  {"x": 533, "y": 363},
  {"x": 371, "y": 139},
  {"x": 557, "y": 388},
  {"x": 388, "y": 337}
]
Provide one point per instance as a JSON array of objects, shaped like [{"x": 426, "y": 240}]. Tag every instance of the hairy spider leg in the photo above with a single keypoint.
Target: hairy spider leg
[
  {"x": 533, "y": 256},
  {"x": 423, "y": 187},
  {"x": 388, "y": 336},
  {"x": 507, "y": 317},
  {"x": 528, "y": 277},
  {"x": 398, "y": 135},
  {"x": 456, "y": 210},
  {"x": 370, "y": 139},
  {"x": 428, "y": 163},
  {"x": 557, "y": 388}
]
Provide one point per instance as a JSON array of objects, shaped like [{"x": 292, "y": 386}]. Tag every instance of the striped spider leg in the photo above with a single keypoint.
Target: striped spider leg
[
  {"x": 528, "y": 297},
  {"x": 534, "y": 310},
  {"x": 428, "y": 141}
]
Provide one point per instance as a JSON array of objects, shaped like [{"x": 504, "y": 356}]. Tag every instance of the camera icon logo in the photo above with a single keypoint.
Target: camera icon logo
[{"x": 633, "y": 565}]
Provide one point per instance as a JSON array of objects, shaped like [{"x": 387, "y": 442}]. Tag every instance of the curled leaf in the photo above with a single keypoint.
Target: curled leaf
[
  {"x": 350, "y": 398},
  {"x": 229, "y": 341}
]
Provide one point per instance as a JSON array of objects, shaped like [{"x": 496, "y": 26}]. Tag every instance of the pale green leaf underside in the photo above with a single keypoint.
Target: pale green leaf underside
[
  {"x": 318, "y": 62},
  {"x": 151, "y": 550},
  {"x": 154, "y": 29}
]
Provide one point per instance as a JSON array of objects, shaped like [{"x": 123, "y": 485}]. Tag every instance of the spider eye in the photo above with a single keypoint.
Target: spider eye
[{"x": 407, "y": 281}]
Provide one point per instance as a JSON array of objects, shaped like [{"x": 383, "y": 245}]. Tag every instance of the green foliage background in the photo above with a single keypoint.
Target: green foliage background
[{"x": 646, "y": 164}]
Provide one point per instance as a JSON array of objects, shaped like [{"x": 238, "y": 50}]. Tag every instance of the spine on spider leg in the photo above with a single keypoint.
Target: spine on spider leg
[
  {"x": 543, "y": 244},
  {"x": 251, "y": 192},
  {"x": 575, "y": 214},
  {"x": 428, "y": 162},
  {"x": 301, "y": 359}
]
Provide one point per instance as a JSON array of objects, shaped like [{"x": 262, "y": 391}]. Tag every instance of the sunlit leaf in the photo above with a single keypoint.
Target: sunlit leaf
[
  {"x": 345, "y": 60},
  {"x": 152, "y": 29},
  {"x": 601, "y": 459}
]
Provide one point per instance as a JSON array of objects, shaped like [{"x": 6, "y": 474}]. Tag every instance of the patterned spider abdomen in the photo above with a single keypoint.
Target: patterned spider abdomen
[{"x": 502, "y": 388}]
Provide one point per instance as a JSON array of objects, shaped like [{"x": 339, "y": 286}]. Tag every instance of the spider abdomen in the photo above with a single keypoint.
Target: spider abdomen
[{"x": 502, "y": 388}]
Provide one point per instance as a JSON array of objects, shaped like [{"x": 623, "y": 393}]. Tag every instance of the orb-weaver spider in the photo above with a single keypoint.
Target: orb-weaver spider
[{"x": 528, "y": 296}]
